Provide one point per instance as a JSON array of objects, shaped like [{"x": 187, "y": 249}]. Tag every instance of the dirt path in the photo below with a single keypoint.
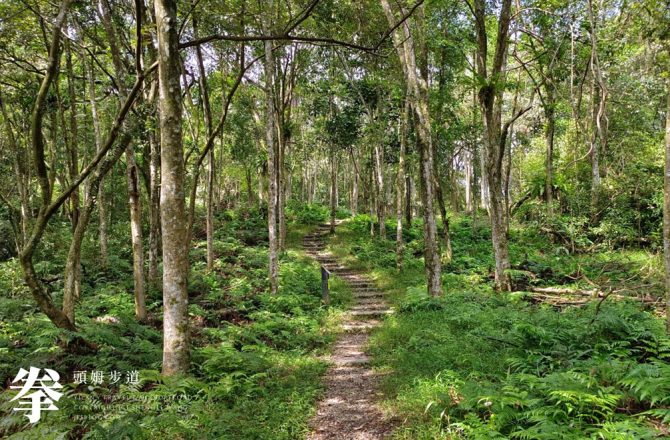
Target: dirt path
[{"x": 349, "y": 410}]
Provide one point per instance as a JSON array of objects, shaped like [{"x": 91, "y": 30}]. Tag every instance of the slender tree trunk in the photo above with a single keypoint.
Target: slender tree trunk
[
  {"x": 21, "y": 172},
  {"x": 102, "y": 209},
  {"x": 73, "y": 151},
  {"x": 432, "y": 247},
  {"x": 379, "y": 190},
  {"x": 490, "y": 98},
  {"x": 408, "y": 200},
  {"x": 281, "y": 192},
  {"x": 204, "y": 93},
  {"x": 210, "y": 209},
  {"x": 599, "y": 117},
  {"x": 354, "y": 195},
  {"x": 132, "y": 169},
  {"x": 134, "y": 201},
  {"x": 250, "y": 192},
  {"x": 174, "y": 225},
  {"x": 418, "y": 95},
  {"x": 400, "y": 183},
  {"x": 469, "y": 175},
  {"x": 354, "y": 192},
  {"x": 154, "y": 208},
  {"x": 72, "y": 284},
  {"x": 595, "y": 158},
  {"x": 372, "y": 197},
  {"x": 666, "y": 211},
  {"x": 154, "y": 158},
  {"x": 453, "y": 184},
  {"x": 41, "y": 296},
  {"x": 333, "y": 189},
  {"x": 484, "y": 188},
  {"x": 549, "y": 136},
  {"x": 444, "y": 232},
  {"x": 270, "y": 139}
]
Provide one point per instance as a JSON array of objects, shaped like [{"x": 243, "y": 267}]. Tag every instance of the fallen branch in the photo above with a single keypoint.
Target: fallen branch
[{"x": 560, "y": 296}]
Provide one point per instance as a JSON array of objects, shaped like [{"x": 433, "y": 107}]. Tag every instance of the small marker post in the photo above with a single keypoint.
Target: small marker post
[{"x": 325, "y": 293}]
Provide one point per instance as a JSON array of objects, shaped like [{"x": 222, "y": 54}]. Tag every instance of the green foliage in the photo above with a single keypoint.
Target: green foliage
[
  {"x": 475, "y": 364},
  {"x": 304, "y": 213},
  {"x": 254, "y": 370}
]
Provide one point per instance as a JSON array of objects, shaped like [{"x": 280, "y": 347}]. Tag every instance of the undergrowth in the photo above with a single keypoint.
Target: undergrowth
[
  {"x": 480, "y": 365},
  {"x": 254, "y": 366}
]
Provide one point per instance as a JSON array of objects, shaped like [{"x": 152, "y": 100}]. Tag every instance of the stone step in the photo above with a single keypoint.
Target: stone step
[
  {"x": 348, "y": 275},
  {"x": 343, "y": 361},
  {"x": 359, "y": 326},
  {"x": 371, "y": 294},
  {"x": 370, "y": 313},
  {"x": 361, "y": 285},
  {"x": 371, "y": 307},
  {"x": 351, "y": 279},
  {"x": 372, "y": 301},
  {"x": 332, "y": 267}
]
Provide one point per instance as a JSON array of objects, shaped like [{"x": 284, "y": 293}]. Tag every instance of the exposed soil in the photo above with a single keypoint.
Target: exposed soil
[{"x": 349, "y": 409}]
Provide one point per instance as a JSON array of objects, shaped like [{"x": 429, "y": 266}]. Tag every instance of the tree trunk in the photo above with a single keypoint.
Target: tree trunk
[
  {"x": 417, "y": 88},
  {"x": 102, "y": 209},
  {"x": 354, "y": 195},
  {"x": 204, "y": 93},
  {"x": 173, "y": 211},
  {"x": 270, "y": 139},
  {"x": 400, "y": 190},
  {"x": 333, "y": 189},
  {"x": 408, "y": 200},
  {"x": 453, "y": 185},
  {"x": 484, "y": 188},
  {"x": 154, "y": 208},
  {"x": 490, "y": 99},
  {"x": 132, "y": 169},
  {"x": 444, "y": 232},
  {"x": 550, "y": 114},
  {"x": 41, "y": 296},
  {"x": 72, "y": 284},
  {"x": 134, "y": 202},
  {"x": 666, "y": 212},
  {"x": 379, "y": 191},
  {"x": 599, "y": 119},
  {"x": 281, "y": 191},
  {"x": 73, "y": 152},
  {"x": 250, "y": 191},
  {"x": 210, "y": 209},
  {"x": 595, "y": 158},
  {"x": 469, "y": 175}
]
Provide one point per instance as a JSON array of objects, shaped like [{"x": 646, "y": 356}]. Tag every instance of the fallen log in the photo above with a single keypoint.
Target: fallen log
[
  {"x": 560, "y": 296},
  {"x": 567, "y": 291}
]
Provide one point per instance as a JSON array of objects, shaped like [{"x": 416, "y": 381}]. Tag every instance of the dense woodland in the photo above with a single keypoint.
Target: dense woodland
[{"x": 487, "y": 183}]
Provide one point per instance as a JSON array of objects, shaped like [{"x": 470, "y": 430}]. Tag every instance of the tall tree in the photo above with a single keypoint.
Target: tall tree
[
  {"x": 271, "y": 145},
  {"x": 490, "y": 97},
  {"x": 417, "y": 93},
  {"x": 174, "y": 227}
]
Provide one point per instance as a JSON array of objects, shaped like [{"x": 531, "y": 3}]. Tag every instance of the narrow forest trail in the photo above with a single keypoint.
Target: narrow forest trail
[{"x": 349, "y": 409}]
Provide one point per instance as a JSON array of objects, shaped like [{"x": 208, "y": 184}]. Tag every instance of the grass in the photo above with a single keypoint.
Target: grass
[
  {"x": 472, "y": 364},
  {"x": 476, "y": 364},
  {"x": 255, "y": 370}
]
